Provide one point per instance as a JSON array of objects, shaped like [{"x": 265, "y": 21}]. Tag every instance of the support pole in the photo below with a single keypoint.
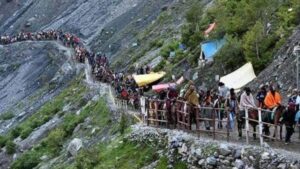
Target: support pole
[
  {"x": 260, "y": 127},
  {"x": 247, "y": 125}
]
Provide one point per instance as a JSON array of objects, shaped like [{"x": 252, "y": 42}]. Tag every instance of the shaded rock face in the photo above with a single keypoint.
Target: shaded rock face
[
  {"x": 31, "y": 73},
  {"x": 283, "y": 69},
  {"x": 104, "y": 25},
  {"x": 74, "y": 146}
]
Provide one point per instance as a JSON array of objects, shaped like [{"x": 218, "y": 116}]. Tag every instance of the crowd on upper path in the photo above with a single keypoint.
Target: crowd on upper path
[{"x": 126, "y": 88}]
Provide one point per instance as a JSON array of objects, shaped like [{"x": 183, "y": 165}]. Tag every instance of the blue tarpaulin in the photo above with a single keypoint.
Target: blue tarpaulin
[{"x": 210, "y": 48}]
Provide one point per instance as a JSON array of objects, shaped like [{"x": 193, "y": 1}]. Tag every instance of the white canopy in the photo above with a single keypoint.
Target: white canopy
[{"x": 240, "y": 77}]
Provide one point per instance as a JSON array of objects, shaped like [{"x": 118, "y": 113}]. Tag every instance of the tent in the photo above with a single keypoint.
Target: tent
[
  {"x": 210, "y": 28},
  {"x": 161, "y": 87},
  {"x": 240, "y": 77},
  {"x": 210, "y": 48},
  {"x": 143, "y": 80}
]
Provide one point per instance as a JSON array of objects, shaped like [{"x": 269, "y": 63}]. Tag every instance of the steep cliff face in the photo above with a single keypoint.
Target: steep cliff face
[
  {"x": 31, "y": 73},
  {"x": 283, "y": 70},
  {"x": 102, "y": 24}
]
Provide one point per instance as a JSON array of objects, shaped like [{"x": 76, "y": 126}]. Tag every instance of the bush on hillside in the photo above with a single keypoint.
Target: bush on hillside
[
  {"x": 28, "y": 160},
  {"x": 3, "y": 141},
  {"x": 258, "y": 28},
  {"x": 10, "y": 147}
]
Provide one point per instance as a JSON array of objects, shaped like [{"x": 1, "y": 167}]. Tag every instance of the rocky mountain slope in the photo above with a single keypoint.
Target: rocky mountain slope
[{"x": 31, "y": 73}]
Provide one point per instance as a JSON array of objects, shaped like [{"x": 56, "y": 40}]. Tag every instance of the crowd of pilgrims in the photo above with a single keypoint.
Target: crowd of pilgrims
[{"x": 126, "y": 88}]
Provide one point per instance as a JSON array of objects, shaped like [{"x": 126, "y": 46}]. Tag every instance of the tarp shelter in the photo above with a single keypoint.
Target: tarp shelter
[
  {"x": 161, "y": 87},
  {"x": 210, "y": 48},
  {"x": 143, "y": 80},
  {"x": 210, "y": 28},
  {"x": 240, "y": 77}
]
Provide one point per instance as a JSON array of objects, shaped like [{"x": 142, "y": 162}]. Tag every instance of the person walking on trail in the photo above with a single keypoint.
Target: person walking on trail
[
  {"x": 223, "y": 90},
  {"x": 185, "y": 88},
  {"x": 191, "y": 96},
  {"x": 260, "y": 97},
  {"x": 208, "y": 111},
  {"x": 289, "y": 121},
  {"x": 246, "y": 102},
  {"x": 222, "y": 93},
  {"x": 172, "y": 94},
  {"x": 273, "y": 99},
  {"x": 231, "y": 105}
]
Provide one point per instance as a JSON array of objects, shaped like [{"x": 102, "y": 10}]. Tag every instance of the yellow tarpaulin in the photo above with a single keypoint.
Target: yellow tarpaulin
[
  {"x": 240, "y": 77},
  {"x": 146, "y": 79}
]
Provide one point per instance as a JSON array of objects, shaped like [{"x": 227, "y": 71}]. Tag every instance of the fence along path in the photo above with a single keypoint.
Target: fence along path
[{"x": 154, "y": 113}]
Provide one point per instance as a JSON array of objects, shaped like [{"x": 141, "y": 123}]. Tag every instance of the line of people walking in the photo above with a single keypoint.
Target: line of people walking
[{"x": 222, "y": 98}]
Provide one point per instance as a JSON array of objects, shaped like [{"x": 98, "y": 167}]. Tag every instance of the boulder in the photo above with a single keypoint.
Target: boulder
[
  {"x": 239, "y": 164},
  {"x": 74, "y": 146},
  {"x": 265, "y": 156},
  {"x": 211, "y": 161},
  {"x": 183, "y": 149},
  {"x": 201, "y": 162},
  {"x": 224, "y": 150},
  {"x": 282, "y": 166}
]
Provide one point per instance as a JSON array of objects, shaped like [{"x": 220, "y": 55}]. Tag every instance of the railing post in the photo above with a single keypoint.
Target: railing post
[
  {"x": 148, "y": 116},
  {"x": 214, "y": 123},
  {"x": 247, "y": 125},
  {"x": 260, "y": 127},
  {"x": 228, "y": 124},
  {"x": 197, "y": 117}
]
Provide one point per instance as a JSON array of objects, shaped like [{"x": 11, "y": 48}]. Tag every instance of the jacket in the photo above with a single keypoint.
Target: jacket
[{"x": 271, "y": 100}]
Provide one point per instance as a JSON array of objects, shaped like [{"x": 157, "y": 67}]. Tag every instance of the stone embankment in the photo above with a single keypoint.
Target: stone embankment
[{"x": 204, "y": 153}]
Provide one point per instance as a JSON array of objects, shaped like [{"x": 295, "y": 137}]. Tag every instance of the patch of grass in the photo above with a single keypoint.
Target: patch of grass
[
  {"x": 7, "y": 116},
  {"x": 157, "y": 43},
  {"x": 53, "y": 143},
  {"x": 162, "y": 163},
  {"x": 126, "y": 156},
  {"x": 27, "y": 161},
  {"x": 72, "y": 94},
  {"x": 15, "y": 132},
  {"x": 160, "y": 66},
  {"x": 87, "y": 158},
  {"x": 209, "y": 150},
  {"x": 3, "y": 141},
  {"x": 10, "y": 147},
  {"x": 123, "y": 123},
  {"x": 180, "y": 165},
  {"x": 25, "y": 132},
  {"x": 166, "y": 49}
]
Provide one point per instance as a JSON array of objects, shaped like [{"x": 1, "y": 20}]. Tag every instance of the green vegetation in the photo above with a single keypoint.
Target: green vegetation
[
  {"x": 127, "y": 155},
  {"x": 87, "y": 158},
  {"x": 210, "y": 150},
  {"x": 192, "y": 33},
  {"x": 160, "y": 66},
  {"x": 157, "y": 43},
  {"x": 10, "y": 147},
  {"x": 73, "y": 94},
  {"x": 7, "y": 116},
  {"x": 123, "y": 123},
  {"x": 167, "y": 48},
  {"x": 53, "y": 143},
  {"x": 254, "y": 30},
  {"x": 3, "y": 141},
  {"x": 162, "y": 163}
]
